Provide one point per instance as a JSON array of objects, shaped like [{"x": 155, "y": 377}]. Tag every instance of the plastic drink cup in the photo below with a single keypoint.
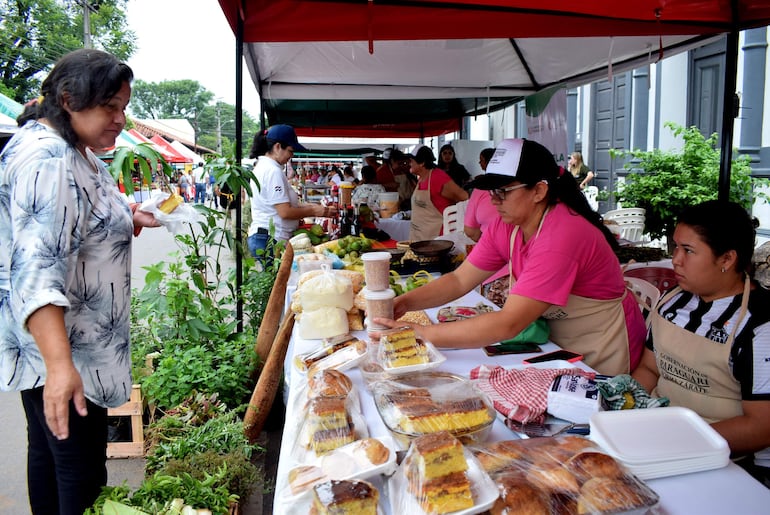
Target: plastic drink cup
[
  {"x": 377, "y": 270},
  {"x": 379, "y": 304},
  {"x": 388, "y": 204}
]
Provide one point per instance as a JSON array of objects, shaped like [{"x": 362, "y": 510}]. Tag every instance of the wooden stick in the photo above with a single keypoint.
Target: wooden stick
[
  {"x": 267, "y": 385},
  {"x": 274, "y": 309}
]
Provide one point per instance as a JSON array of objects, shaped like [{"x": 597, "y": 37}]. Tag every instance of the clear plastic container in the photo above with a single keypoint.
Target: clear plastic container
[
  {"x": 377, "y": 270},
  {"x": 379, "y": 304}
]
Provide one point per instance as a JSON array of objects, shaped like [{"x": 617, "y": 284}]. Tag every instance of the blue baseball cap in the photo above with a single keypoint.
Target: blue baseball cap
[{"x": 285, "y": 134}]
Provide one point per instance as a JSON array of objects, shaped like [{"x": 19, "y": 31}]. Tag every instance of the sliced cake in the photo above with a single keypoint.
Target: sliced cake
[
  {"x": 400, "y": 349},
  {"x": 436, "y": 473},
  {"x": 345, "y": 497},
  {"x": 329, "y": 424}
]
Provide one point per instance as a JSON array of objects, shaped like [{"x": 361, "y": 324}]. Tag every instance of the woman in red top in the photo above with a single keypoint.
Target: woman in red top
[{"x": 435, "y": 191}]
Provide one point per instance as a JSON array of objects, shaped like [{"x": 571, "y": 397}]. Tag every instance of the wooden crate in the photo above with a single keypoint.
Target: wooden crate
[{"x": 133, "y": 408}]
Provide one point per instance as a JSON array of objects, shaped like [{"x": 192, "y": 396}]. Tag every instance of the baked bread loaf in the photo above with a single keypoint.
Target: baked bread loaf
[{"x": 611, "y": 495}]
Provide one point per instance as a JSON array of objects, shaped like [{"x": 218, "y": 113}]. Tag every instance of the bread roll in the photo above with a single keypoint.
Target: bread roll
[
  {"x": 587, "y": 465},
  {"x": 329, "y": 382}
]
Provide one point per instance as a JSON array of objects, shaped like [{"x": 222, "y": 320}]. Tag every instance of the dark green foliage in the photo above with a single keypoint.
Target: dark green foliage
[{"x": 672, "y": 180}]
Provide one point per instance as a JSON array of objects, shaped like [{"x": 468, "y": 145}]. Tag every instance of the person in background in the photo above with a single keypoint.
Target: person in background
[
  {"x": 479, "y": 213},
  {"x": 185, "y": 186},
  {"x": 200, "y": 176},
  {"x": 65, "y": 277},
  {"x": 582, "y": 174},
  {"x": 386, "y": 174},
  {"x": 561, "y": 261},
  {"x": 435, "y": 191},
  {"x": 448, "y": 162},
  {"x": 348, "y": 175},
  {"x": 275, "y": 202},
  {"x": 368, "y": 191},
  {"x": 709, "y": 338}
]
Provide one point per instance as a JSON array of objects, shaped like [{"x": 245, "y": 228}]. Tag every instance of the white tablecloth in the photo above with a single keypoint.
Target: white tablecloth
[
  {"x": 729, "y": 490},
  {"x": 397, "y": 229}
]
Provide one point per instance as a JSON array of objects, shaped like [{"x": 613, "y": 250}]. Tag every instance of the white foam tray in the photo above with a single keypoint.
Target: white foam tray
[{"x": 658, "y": 435}]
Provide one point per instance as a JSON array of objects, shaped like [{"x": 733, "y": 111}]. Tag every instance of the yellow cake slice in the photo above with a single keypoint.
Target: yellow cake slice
[
  {"x": 437, "y": 454},
  {"x": 446, "y": 494}
]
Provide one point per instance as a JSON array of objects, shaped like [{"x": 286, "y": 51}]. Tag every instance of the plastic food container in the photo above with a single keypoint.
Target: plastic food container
[
  {"x": 379, "y": 304},
  {"x": 388, "y": 204},
  {"x": 429, "y": 402},
  {"x": 377, "y": 270}
]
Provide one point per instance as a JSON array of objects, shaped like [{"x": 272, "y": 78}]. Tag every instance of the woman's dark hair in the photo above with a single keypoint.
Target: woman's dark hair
[
  {"x": 487, "y": 153},
  {"x": 261, "y": 144},
  {"x": 723, "y": 226},
  {"x": 539, "y": 165},
  {"x": 368, "y": 174},
  {"x": 454, "y": 169},
  {"x": 84, "y": 78}
]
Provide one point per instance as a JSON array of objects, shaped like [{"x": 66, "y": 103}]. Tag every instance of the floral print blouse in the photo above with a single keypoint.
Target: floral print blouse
[{"x": 65, "y": 240}]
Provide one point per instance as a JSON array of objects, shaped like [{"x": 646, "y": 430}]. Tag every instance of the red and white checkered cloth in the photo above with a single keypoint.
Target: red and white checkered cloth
[{"x": 520, "y": 394}]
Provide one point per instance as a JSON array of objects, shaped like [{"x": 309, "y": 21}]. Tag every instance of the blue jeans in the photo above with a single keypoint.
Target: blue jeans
[
  {"x": 64, "y": 476},
  {"x": 259, "y": 241},
  {"x": 200, "y": 192}
]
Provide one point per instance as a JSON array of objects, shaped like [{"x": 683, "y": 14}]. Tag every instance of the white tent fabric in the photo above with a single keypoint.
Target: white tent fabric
[
  {"x": 185, "y": 151},
  {"x": 414, "y": 69}
]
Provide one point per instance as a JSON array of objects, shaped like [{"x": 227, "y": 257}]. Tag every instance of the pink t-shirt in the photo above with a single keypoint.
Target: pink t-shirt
[
  {"x": 437, "y": 179},
  {"x": 569, "y": 256},
  {"x": 479, "y": 213}
]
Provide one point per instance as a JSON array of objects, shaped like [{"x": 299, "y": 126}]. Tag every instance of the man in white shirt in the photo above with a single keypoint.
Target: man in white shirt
[{"x": 200, "y": 177}]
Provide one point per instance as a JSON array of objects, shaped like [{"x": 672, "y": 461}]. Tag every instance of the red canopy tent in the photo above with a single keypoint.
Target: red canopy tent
[{"x": 178, "y": 157}]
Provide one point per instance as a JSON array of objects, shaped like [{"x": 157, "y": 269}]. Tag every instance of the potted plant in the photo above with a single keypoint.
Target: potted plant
[{"x": 671, "y": 180}]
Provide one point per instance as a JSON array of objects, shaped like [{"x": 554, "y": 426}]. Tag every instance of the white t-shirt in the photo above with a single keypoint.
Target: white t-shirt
[
  {"x": 274, "y": 189},
  {"x": 200, "y": 175}
]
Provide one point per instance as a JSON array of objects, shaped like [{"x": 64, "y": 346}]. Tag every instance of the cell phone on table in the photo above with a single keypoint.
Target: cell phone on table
[
  {"x": 510, "y": 347},
  {"x": 561, "y": 355}
]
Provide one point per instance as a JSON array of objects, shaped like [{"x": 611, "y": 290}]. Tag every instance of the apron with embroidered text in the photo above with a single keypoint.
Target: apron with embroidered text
[
  {"x": 594, "y": 328},
  {"x": 695, "y": 370},
  {"x": 427, "y": 221}
]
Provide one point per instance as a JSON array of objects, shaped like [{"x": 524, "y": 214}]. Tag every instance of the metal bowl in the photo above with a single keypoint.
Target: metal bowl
[{"x": 431, "y": 248}]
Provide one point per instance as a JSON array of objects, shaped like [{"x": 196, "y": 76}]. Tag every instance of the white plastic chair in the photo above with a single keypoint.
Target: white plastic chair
[
  {"x": 630, "y": 220},
  {"x": 454, "y": 217},
  {"x": 591, "y": 192},
  {"x": 646, "y": 293}
]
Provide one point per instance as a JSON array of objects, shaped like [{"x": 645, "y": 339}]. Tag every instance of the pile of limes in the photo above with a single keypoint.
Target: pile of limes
[{"x": 352, "y": 246}]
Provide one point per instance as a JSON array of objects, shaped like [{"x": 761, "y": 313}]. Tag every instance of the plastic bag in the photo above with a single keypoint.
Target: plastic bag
[
  {"x": 536, "y": 332},
  {"x": 174, "y": 221},
  {"x": 326, "y": 290}
]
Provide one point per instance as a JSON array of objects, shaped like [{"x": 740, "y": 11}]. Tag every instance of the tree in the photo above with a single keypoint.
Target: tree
[
  {"x": 216, "y": 125},
  {"x": 169, "y": 99},
  {"x": 34, "y": 34},
  {"x": 673, "y": 180}
]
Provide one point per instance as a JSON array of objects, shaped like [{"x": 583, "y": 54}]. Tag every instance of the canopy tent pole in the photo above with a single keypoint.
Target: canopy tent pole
[
  {"x": 238, "y": 159},
  {"x": 728, "y": 114}
]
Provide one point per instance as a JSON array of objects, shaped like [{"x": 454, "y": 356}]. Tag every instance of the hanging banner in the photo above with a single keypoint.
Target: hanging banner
[{"x": 547, "y": 121}]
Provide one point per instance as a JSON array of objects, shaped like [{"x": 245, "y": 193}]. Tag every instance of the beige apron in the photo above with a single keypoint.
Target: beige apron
[
  {"x": 694, "y": 370},
  {"x": 427, "y": 221},
  {"x": 594, "y": 328}
]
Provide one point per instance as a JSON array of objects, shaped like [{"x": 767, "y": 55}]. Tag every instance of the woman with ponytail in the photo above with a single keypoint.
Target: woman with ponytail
[{"x": 561, "y": 264}]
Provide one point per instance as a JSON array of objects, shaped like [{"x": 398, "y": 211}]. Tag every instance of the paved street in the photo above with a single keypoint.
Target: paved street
[{"x": 151, "y": 246}]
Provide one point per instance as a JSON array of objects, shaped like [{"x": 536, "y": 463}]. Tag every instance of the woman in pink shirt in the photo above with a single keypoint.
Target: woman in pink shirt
[{"x": 561, "y": 261}]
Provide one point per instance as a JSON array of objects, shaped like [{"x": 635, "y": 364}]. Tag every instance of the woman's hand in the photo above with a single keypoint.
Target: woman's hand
[{"x": 63, "y": 383}]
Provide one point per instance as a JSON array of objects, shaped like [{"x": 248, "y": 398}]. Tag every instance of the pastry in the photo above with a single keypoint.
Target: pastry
[
  {"x": 345, "y": 497},
  {"x": 587, "y": 465},
  {"x": 499, "y": 455},
  {"x": 445, "y": 494},
  {"x": 553, "y": 478},
  {"x": 329, "y": 383},
  {"x": 612, "y": 495},
  {"x": 517, "y": 495},
  {"x": 302, "y": 478},
  {"x": 375, "y": 451},
  {"x": 168, "y": 205}
]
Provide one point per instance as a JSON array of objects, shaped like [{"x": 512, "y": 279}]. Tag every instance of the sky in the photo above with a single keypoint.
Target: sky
[{"x": 188, "y": 40}]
